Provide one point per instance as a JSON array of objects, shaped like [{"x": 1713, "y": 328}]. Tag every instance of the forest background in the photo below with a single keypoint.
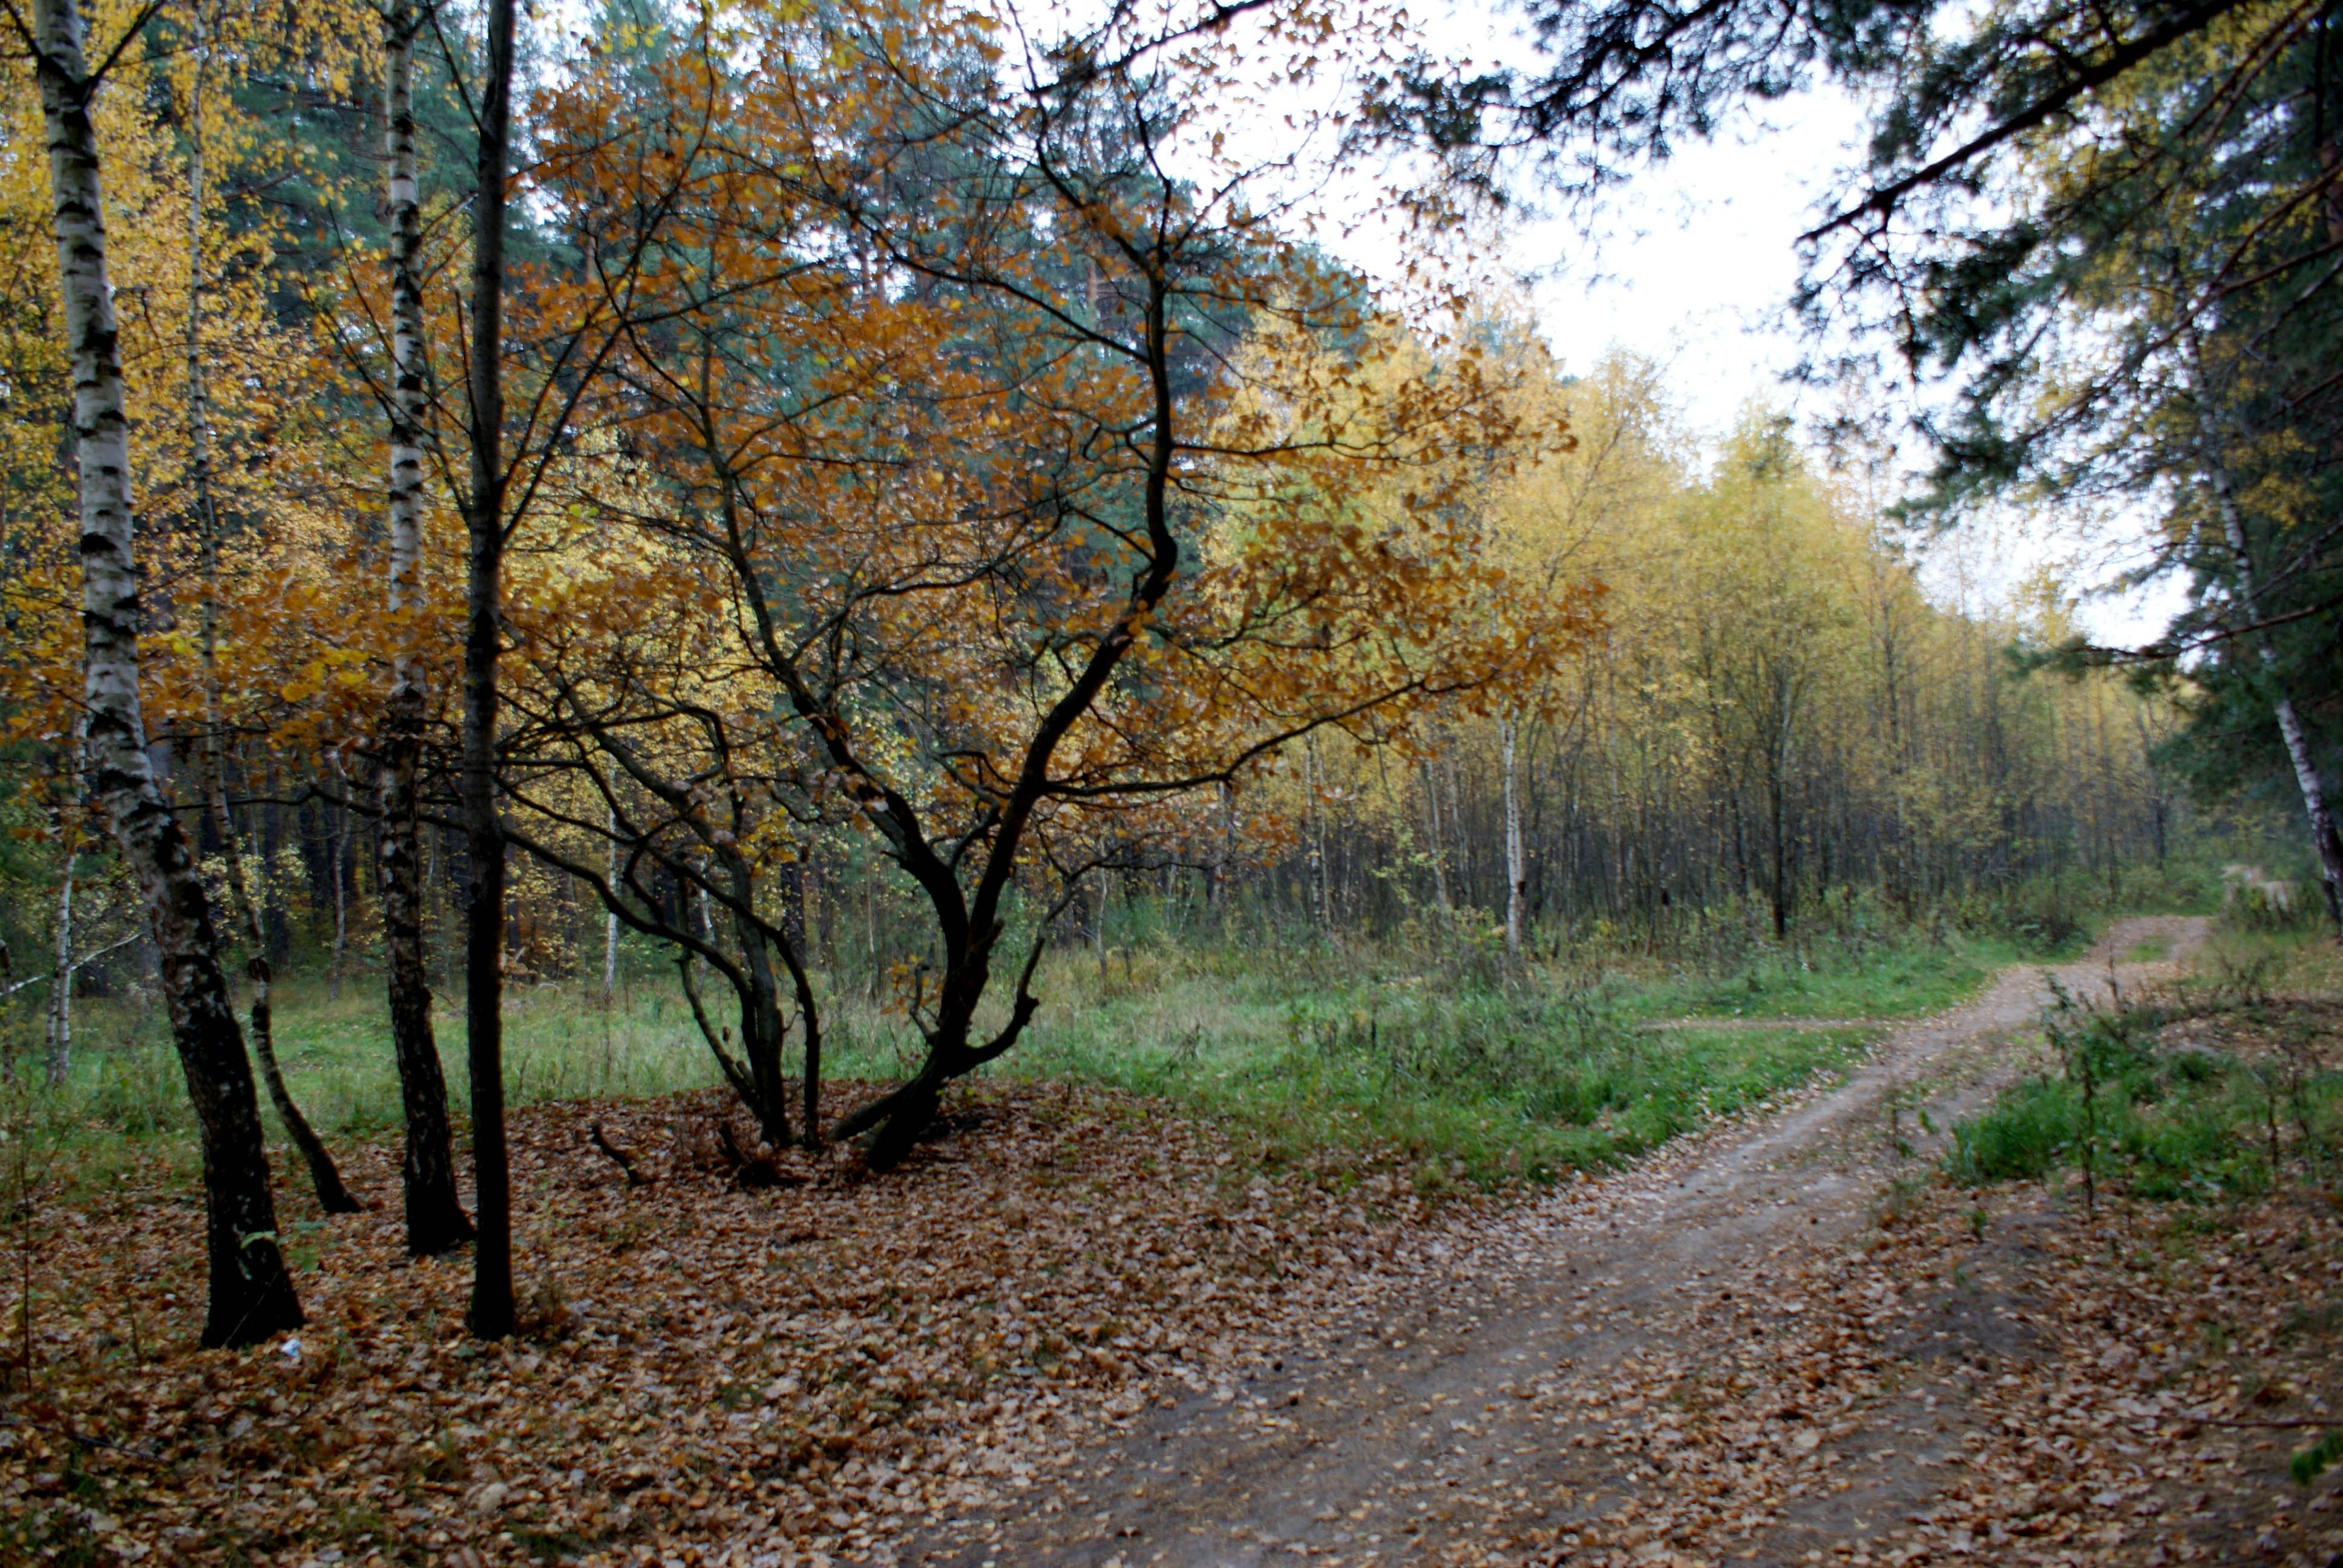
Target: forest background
[{"x": 905, "y": 532}]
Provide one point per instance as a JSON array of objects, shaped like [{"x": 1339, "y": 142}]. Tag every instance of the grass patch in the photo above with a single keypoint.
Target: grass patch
[
  {"x": 1909, "y": 979},
  {"x": 2216, "y": 1087},
  {"x": 1342, "y": 1058},
  {"x": 1338, "y": 1058},
  {"x": 1468, "y": 1084}
]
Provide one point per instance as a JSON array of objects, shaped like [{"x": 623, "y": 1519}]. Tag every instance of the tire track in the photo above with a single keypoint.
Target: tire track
[{"x": 1415, "y": 1428}]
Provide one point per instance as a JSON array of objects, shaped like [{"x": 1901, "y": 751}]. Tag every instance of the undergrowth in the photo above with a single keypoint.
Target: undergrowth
[
  {"x": 2216, "y": 1086},
  {"x": 1447, "y": 1059}
]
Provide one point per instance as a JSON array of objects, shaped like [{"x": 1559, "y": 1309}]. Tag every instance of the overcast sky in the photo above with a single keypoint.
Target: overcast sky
[{"x": 1693, "y": 264}]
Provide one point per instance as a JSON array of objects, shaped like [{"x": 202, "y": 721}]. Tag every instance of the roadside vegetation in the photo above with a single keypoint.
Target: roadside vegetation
[
  {"x": 1430, "y": 1053},
  {"x": 2223, "y": 1084}
]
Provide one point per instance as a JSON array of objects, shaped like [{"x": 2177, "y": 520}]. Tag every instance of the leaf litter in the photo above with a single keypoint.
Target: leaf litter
[
  {"x": 705, "y": 1375},
  {"x": 973, "y": 1353}
]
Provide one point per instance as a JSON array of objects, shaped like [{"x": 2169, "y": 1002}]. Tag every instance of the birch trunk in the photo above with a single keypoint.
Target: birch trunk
[
  {"x": 1515, "y": 876},
  {"x": 337, "y": 863},
  {"x": 484, "y": 897},
  {"x": 2298, "y": 755},
  {"x": 435, "y": 1220},
  {"x": 2289, "y": 723},
  {"x": 251, "y": 1295}
]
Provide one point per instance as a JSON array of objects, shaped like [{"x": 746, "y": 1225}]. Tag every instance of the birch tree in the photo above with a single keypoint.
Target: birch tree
[{"x": 251, "y": 1295}]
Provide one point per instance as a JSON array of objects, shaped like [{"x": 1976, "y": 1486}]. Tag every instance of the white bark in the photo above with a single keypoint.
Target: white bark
[
  {"x": 406, "y": 496},
  {"x": 251, "y": 1295},
  {"x": 2289, "y": 723},
  {"x": 1434, "y": 845}
]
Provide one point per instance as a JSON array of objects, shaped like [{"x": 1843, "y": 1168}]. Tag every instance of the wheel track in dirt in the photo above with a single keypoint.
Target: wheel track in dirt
[{"x": 1394, "y": 1438}]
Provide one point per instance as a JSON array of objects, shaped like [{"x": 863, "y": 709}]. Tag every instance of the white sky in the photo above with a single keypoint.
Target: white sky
[{"x": 1691, "y": 264}]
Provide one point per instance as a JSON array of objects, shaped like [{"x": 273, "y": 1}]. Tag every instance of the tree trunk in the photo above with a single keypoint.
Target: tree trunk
[
  {"x": 811, "y": 1080},
  {"x": 435, "y": 1220},
  {"x": 760, "y": 1017},
  {"x": 484, "y": 894},
  {"x": 274, "y": 920},
  {"x": 2315, "y": 806},
  {"x": 1436, "y": 845},
  {"x": 337, "y": 865},
  {"x": 1312, "y": 781},
  {"x": 333, "y": 1197},
  {"x": 251, "y": 1295},
  {"x": 1216, "y": 880},
  {"x": 1515, "y": 876},
  {"x": 1778, "y": 875},
  {"x": 60, "y": 1041},
  {"x": 610, "y": 920}
]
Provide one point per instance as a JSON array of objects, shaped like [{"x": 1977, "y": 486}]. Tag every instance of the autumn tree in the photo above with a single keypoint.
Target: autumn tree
[
  {"x": 251, "y": 1295},
  {"x": 491, "y": 1313},
  {"x": 1781, "y": 731},
  {"x": 198, "y": 86},
  {"x": 998, "y": 488},
  {"x": 2103, "y": 236}
]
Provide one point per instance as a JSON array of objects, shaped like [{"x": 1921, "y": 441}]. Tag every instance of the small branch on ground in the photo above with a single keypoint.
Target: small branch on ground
[{"x": 624, "y": 1161}]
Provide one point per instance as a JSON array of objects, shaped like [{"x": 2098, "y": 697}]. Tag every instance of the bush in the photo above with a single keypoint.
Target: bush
[{"x": 2174, "y": 1123}]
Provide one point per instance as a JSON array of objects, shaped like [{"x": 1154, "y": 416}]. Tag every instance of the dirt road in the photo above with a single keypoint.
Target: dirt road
[{"x": 1432, "y": 1427}]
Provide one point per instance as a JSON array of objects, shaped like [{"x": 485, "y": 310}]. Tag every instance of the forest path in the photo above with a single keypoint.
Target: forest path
[{"x": 1422, "y": 1428}]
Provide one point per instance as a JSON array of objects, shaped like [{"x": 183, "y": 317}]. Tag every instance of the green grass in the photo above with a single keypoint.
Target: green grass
[
  {"x": 1331, "y": 1057},
  {"x": 1460, "y": 1083},
  {"x": 2246, "y": 1089},
  {"x": 1885, "y": 980},
  {"x": 124, "y": 1100},
  {"x": 1337, "y": 1058}
]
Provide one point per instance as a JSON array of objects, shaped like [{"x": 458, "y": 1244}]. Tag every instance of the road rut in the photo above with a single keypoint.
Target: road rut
[{"x": 1402, "y": 1434}]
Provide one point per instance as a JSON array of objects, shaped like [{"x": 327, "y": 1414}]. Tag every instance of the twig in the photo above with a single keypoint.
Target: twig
[
  {"x": 2323, "y": 1421},
  {"x": 80, "y": 963},
  {"x": 624, "y": 1160}
]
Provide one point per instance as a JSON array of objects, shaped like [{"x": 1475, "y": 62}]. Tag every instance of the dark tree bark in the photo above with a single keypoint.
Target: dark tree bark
[
  {"x": 251, "y": 1296},
  {"x": 484, "y": 893},
  {"x": 970, "y": 924}
]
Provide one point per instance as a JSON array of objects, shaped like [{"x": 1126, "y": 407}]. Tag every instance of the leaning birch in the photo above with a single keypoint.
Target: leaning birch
[{"x": 251, "y": 1295}]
